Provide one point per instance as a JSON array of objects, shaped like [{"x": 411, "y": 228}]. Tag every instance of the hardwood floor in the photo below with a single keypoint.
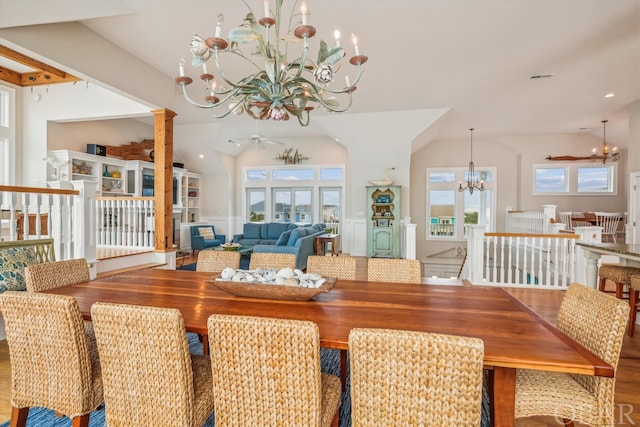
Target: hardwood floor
[{"x": 544, "y": 302}]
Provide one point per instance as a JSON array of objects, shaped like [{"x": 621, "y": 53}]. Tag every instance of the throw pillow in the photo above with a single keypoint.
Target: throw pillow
[
  {"x": 284, "y": 238},
  {"x": 295, "y": 235},
  {"x": 207, "y": 233},
  {"x": 12, "y": 262}
]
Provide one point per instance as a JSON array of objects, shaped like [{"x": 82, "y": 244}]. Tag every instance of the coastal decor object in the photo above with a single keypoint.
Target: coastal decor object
[
  {"x": 604, "y": 155},
  {"x": 386, "y": 180},
  {"x": 258, "y": 139},
  {"x": 284, "y": 284},
  {"x": 283, "y": 86},
  {"x": 291, "y": 158}
]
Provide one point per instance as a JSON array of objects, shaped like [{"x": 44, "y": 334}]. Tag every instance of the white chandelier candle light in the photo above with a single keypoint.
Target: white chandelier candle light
[
  {"x": 605, "y": 155},
  {"x": 473, "y": 182},
  {"x": 280, "y": 87}
]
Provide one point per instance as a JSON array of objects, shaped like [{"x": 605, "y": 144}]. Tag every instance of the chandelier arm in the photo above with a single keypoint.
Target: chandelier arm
[
  {"x": 351, "y": 87},
  {"x": 208, "y": 106}
]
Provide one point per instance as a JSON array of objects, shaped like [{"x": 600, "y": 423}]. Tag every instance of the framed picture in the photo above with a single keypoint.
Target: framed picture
[{"x": 383, "y": 223}]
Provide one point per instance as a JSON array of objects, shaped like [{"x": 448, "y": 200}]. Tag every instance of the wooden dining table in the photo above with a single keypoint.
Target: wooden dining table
[{"x": 513, "y": 335}]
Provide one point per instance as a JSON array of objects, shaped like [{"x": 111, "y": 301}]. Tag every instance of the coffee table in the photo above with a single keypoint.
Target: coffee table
[{"x": 244, "y": 250}]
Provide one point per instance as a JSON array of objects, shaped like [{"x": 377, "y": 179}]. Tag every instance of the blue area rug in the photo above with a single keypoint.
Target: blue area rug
[{"x": 329, "y": 362}]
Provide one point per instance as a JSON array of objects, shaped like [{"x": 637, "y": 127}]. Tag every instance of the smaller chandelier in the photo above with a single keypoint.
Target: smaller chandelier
[
  {"x": 473, "y": 183},
  {"x": 280, "y": 86},
  {"x": 605, "y": 155}
]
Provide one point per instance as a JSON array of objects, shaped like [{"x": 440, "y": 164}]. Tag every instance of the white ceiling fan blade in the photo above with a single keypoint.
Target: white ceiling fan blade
[{"x": 270, "y": 141}]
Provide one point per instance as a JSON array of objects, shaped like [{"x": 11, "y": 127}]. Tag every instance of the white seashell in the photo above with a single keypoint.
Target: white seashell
[
  {"x": 320, "y": 282},
  {"x": 227, "y": 273},
  {"x": 251, "y": 278},
  {"x": 298, "y": 272},
  {"x": 291, "y": 281},
  {"x": 279, "y": 280},
  {"x": 238, "y": 277},
  {"x": 285, "y": 272},
  {"x": 269, "y": 275},
  {"x": 306, "y": 284}
]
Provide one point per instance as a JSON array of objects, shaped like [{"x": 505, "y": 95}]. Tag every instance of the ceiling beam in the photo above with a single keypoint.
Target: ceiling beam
[{"x": 43, "y": 74}]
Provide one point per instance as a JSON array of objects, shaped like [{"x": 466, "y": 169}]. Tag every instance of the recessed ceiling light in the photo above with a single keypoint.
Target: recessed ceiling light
[
  {"x": 610, "y": 95},
  {"x": 541, "y": 76},
  {"x": 202, "y": 156}
]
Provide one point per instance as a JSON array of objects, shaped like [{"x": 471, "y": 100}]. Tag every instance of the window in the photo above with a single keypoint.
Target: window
[
  {"x": 330, "y": 207},
  {"x": 449, "y": 210},
  {"x": 551, "y": 180},
  {"x": 292, "y": 205},
  {"x": 597, "y": 179},
  {"x": 298, "y": 194},
  {"x": 573, "y": 179},
  {"x": 256, "y": 198},
  {"x": 7, "y": 135}
]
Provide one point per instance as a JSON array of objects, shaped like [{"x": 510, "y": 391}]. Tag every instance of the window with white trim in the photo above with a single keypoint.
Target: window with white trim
[
  {"x": 575, "y": 179},
  {"x": 449, "y": 210},
  {"x": 7, "y": 135}
]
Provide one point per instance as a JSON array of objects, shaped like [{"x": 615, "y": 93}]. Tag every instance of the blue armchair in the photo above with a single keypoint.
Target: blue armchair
[{"x": 205, "y": 236}]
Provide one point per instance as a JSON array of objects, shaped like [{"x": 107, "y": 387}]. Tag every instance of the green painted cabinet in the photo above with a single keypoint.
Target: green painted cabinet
[{"x": 383, "y": 221}]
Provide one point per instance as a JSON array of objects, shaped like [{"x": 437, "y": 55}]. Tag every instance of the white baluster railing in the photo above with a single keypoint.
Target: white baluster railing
[
  {"x": 125, "y": 221},
  {"x": 34, "y": 213},
  {"x": 521, "y": 260}
]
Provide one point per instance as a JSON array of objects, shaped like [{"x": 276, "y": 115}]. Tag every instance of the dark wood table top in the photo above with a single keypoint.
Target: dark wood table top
[{"x": 514, "y": 336}]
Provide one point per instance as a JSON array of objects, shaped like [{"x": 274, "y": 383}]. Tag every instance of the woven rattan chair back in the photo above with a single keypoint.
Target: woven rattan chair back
[
  {"x": 267, "y": 372},
  {"x": 565, "y": 218},
  {"x": 53, "y": 365},
  {"x": 216, "y": 261},
  {"x": 597, "y": 321},
  {"x": 340, "y": 267},
  {"x": 150, "y": 379},
  {"x": 267, "y": 260},
  {"x": 609, "y": 223},
  {"x": 394, "y": 270},
  {"x": 405, "y": 378},
  {"x": 40, "y": 277}
]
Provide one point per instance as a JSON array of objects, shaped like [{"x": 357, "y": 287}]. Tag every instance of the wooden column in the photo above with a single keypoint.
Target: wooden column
[{"x": 163, "y": 182}]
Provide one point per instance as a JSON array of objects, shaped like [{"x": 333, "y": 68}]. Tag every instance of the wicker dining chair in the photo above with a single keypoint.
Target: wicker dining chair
[
  {"x": 51, "y": 275},
  {"x": 266, "y": 372},
  {"x": 415, "y": 378},
  {"x": 394, "y": 270},
  {"x": 267, "y": 260},
  {"x": 634, "y": 303},
  {"x": 340, "y": 267},
  {"x": 216, "y": 261},
  {"x": 597, "y": 321},
  {"x": 53, "y": 364},
  {"x": 150, "y": 378}
]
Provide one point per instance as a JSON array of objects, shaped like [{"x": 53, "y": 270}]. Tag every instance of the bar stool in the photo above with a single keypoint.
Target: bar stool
[
  {"x": 619, "y": 274},
  {"x": 634, "y": 305}
]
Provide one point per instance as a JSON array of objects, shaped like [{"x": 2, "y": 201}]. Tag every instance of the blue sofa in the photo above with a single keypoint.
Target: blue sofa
[
  {"x": 203, "y": 239},
  {"x": 299, "y": 241},
  {"x": 263, "y": 233}
]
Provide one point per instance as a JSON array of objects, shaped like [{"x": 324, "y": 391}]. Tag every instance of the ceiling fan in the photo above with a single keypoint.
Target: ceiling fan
[{"x": 258, "y": 139}]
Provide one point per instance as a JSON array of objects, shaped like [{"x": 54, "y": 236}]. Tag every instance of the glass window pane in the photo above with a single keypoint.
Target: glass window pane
[
  {"x": 594, "y": 179},
  {"x": 282, "y": 206},
  {"x": 331, "y": 173},
  {"x": 292, "y": 174},
  {"x": 442, "y": 176},
  {"x": 256, "y": 204},
  {"x": 442, "y": 213},
  {"x": 330, "y": 200},
  {"x": 256, "y": 175},
  {"x": 303, "y": 209},
  {"x": 551, "y": 180}
]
